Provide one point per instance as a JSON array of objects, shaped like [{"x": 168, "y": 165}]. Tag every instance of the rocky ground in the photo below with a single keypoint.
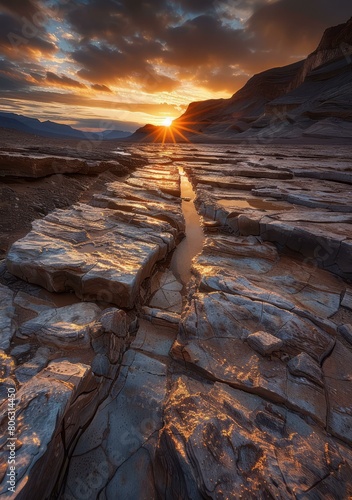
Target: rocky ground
[
  {"x": 235, "y": 384},
  {"x": 38, "y": 175}
]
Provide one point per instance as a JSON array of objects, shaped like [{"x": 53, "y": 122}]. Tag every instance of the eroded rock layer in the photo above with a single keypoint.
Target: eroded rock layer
[
  {"x": 239, "y": 389},
  {"x": 103, "y": 253}
]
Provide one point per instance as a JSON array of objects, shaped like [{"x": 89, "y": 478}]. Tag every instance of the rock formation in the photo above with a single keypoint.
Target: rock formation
[
  {"x": 132, "y": 384},
  {"x": 307, "y": 99}
]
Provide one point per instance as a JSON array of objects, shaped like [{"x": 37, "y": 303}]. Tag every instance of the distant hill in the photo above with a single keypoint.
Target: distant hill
[
  {"x": 311, "y": 98},
  {"x": 54, "y": 130}
]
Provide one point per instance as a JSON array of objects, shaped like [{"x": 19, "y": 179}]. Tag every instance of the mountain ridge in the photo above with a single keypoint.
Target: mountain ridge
[
  {"x": 52, "y": 129},
  {"x": 309, "y": 98}
]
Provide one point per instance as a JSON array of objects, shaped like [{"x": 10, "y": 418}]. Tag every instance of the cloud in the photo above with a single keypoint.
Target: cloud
[
  {"x": 20, "y": 39},
  {"x": 105, "y": 65},
  {"x": 221, "y": 79},
  {"x": 151, "y": 46},
  {"x": 78, "y": 100},
  {"x": 63, "y": 81},
  {"x": 295, "y": 26},
  {"x": 210, "y": 40},
  {"x": 155, "y": 44},
  {"x": 11, "y": 78},
  {"x": 100, "y": 88},
  {"x": 20, "y": 8}
]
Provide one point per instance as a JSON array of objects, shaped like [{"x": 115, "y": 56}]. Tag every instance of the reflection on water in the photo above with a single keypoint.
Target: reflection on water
[
  {"x": 192, "y": 244},
  {"x": 260, "y": 204}
]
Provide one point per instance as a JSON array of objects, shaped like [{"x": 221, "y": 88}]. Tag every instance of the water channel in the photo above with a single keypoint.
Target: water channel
[{"x": 192, "y": 244}]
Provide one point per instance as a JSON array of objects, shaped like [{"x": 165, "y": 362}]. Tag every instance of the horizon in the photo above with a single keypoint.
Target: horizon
[{"x": 125, "y": 64}]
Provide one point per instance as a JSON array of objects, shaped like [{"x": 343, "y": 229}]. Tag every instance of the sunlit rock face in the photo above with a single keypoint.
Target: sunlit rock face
[
  {"x": 36, "y": 166},
  {"x": 266, "y": 411},
  {"x": 219, "y": 442},
  {"x": 103, "y": 253},
  {"x": 61, "y": 365},
  {"x": 306, "y": 209},
  {"x": 262, "y": 407}
]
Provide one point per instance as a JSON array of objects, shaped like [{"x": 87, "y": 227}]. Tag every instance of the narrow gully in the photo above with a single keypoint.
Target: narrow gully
[{"x": 192, "y": 244}]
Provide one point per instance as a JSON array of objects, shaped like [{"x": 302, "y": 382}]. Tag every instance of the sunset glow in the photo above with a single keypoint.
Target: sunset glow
[
  {"x": 129, "y": 63},
  {"x": 167, "y": 122}
]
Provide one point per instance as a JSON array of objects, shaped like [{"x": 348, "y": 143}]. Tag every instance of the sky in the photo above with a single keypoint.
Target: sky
[{"x": 119, "y": 64}]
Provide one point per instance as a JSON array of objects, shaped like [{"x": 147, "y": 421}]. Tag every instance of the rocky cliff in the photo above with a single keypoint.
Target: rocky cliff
[{"x": 311, "y": 98}]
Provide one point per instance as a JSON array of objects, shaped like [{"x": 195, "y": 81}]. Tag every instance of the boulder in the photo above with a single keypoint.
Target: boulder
[{"x": 264, "y": 343}]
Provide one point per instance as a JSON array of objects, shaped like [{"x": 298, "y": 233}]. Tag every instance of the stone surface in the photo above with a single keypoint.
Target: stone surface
[
  {"x": 131, "y": 418},
  {"x": 346, "y": 332},
  {"x": 26, "y": 371},
  {"x": 218, "y": 442},
  {"x": 7, "y": 326},
  {"x": 304, "y": 365},
  {"x": 184, "y": 405},
  {"x": 337, "y": 371},
  {"x": 110, "y": 251},
  {"x": 264, "y": 343},
  {"x": 347, "y": 300},
  {"x": 64, "y": 327},
  {"x": 115, "y": 321},
  {"x": 41, "y": 407},
  {"x": 35, "y": 166}
]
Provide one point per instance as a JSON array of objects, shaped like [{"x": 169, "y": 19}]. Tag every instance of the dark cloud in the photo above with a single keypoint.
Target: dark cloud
[
  {"x": 296, "y": 26},
  {"x": 11, "y": 78},
  {"x": 21, "y": 8},
  {"x": 210, "y": 42},
  {"x": 100, "y": 88},
  {"x": 112, "y": 20},
  {"x": 197, "y": 6},
  {"x": 63, "y": 81},
  {"x": 104, "y": 65},
  {"x": 21, "y": 38}
]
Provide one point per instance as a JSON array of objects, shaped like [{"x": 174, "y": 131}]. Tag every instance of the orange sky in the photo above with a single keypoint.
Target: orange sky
[{"x": 98, "y": 64}]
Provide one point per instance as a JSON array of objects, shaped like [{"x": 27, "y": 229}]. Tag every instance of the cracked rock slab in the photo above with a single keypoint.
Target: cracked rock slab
[
  {"x": 113, "y": 253},
  {"x": 131, "y": 418},
  {"x": 65, "y": 327},
  {"x": 218, "y": 442},
  {"x": 7, "y": 325},
  {"x": 41, "y": 406}
]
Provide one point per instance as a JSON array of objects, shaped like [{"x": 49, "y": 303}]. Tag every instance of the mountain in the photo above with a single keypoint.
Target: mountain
[
  {"x": 311, "y": 98},
  {"x": 54, "y": 130}
]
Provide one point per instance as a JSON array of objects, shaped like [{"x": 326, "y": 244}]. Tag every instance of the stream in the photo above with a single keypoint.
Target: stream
[{"x": 192, "y": 244}]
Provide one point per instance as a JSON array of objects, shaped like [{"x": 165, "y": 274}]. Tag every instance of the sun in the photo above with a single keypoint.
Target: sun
[{"x": 167, "y": 122}]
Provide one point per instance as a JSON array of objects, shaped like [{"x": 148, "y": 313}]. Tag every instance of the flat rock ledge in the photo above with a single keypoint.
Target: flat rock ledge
[
  {"x": 103, "y": 253},
  {"x": 306, "y": 209}
]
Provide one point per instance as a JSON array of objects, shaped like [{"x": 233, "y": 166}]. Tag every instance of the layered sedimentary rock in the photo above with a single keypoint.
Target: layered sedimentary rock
[
  {"x": 303, "y": 205},
  {"x": 270, "y": 395},
  {"x": 60, "y": 366},
  {"x": 246, "y": 393},
  {"x": 36, "y": 166},
  {"x": 103, "y": 253},
  {"x": 263, "y": 405},
  {"x": 219, "y": 442}
]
